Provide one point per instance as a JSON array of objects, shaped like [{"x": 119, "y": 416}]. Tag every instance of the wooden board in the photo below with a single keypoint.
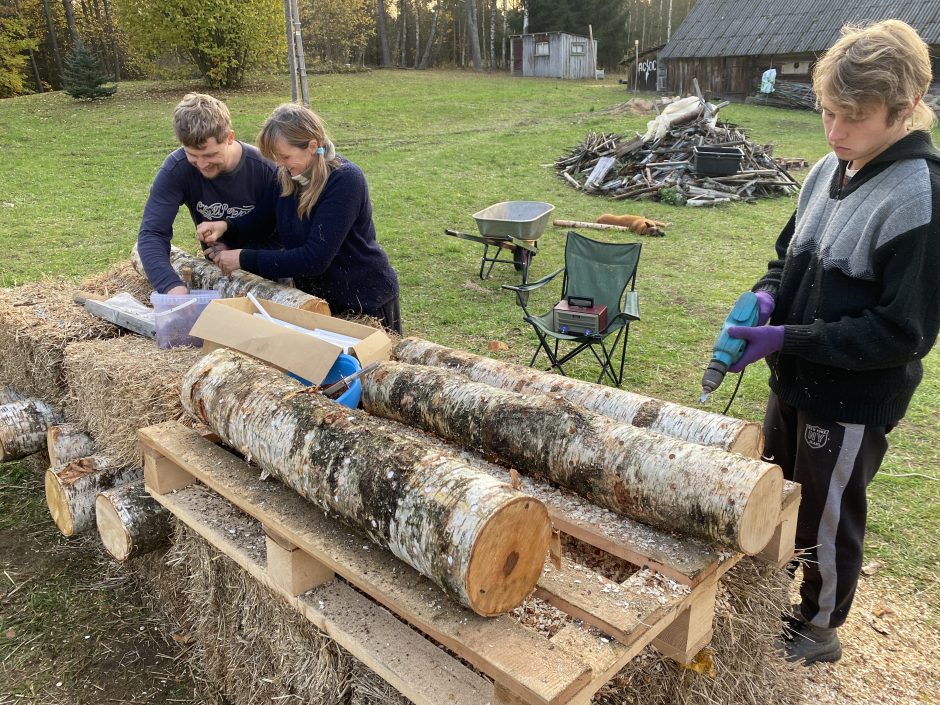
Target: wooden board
[{"x": 420, "y": 670}]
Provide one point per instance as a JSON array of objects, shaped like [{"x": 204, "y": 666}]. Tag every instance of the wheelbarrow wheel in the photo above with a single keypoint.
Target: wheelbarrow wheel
[{"x": 521, "y": 259}]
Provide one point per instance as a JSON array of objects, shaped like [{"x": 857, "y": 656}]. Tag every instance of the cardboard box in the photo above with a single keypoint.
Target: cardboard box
[{"x": 231, "y": 323}]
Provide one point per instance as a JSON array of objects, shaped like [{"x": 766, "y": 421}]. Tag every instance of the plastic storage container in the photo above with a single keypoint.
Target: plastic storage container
[
  {"x": 716, "y": 161},
  {"x": 175, "y": 316},
  {"x": 344, "y": 366}
]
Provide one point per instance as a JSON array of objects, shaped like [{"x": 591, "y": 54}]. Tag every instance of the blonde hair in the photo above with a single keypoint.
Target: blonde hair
[
  {"x": 883, "y": 63},
  {"x": 297, "y": 125},
  {"x": 199, "y": 117}
]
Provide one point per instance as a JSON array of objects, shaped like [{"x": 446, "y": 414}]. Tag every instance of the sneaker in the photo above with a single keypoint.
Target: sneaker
[{"x": 807, "y": 644}]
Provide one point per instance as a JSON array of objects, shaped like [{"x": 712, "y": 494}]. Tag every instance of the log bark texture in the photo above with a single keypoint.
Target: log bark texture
[
  {"x": 684, "y": 423},
  {"x": 68, "y": 442},
  {"x": 131, "y": 522},
  {"x": 71, "y": 490},
  {"x": 23, "y": 426},
  {"x": 481, "y": 541},
  {"x": 206, "y": 275},
  {"x": 8, "y": 394},
  {"x": 661, "y": 481}
]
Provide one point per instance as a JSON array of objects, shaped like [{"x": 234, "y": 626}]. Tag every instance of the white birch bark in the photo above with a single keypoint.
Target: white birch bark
[
  {"x": 23, "y": 427},
  {"x": 661, "y": 481},
  {"x": 478, "y": 539},
  {"x": 68, "y": 442},
  {"x": 71, "y": 490},
  {"x": 131, "y": 522},
  {"x": 682, "y": 422}
]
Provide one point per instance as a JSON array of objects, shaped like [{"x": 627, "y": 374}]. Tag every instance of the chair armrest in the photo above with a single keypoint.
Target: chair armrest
[
  {"x": 532, "y": 286},
  {"x": 631, "y": 306}
]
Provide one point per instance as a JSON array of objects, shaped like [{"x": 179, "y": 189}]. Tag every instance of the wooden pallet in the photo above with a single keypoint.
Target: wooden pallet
[{"x": 296, "y": 550}]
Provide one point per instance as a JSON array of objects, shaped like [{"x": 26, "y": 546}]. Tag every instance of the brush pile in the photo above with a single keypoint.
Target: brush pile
[
  {"x": 661, "y": 164},
  {"x": 787, "y": 94}
]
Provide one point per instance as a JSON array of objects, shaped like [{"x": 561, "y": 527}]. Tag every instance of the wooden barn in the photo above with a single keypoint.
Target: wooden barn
[
  {"x": 553, "y": 55},
  {"x": 728, "y": 44}
]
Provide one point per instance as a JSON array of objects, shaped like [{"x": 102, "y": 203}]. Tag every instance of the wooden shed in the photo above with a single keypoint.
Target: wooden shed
[
  {"x": 553, "y": 55},
  {"x": 728, "y": 44}
]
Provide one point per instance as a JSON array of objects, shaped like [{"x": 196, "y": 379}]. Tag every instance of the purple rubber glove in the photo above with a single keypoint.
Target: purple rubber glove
[
  {"x": 765, "y": 306},
  {"x": 760, "y": 343}
]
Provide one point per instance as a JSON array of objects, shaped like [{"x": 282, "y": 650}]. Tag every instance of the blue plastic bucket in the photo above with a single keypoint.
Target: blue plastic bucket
[{"x": 344, "y": 366}]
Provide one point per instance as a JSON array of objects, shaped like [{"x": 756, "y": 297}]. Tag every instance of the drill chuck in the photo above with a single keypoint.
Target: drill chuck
[{"x": 729, "y": 350}]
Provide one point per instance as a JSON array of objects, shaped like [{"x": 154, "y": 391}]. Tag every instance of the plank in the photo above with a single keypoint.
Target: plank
[
  {"x": 522, "y": 661},
  {"x": 125, "y": 311},
  {"x": 414, "y": 666}
]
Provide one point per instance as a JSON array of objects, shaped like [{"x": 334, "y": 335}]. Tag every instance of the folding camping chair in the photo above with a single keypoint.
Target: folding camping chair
[{"x": 603, "y": 273}]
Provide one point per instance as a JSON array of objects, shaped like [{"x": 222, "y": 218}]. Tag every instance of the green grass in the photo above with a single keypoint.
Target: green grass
[{"x": 436, "y": 147}]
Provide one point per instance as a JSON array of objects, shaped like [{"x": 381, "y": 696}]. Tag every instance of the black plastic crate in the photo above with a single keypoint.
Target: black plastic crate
[{"x": 716, "y": 161}]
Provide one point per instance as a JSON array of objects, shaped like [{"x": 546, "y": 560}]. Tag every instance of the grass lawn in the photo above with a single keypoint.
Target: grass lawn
[{"x": 436, "y": 147}]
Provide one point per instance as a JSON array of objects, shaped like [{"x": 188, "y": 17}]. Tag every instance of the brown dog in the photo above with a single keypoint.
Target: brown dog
[{"x": 636, "y": 223}]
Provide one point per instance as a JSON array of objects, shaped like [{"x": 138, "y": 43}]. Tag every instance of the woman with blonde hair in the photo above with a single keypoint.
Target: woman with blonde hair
[
  {"x": 324, "y": 219},
  {"x": 849, "y": 307}
]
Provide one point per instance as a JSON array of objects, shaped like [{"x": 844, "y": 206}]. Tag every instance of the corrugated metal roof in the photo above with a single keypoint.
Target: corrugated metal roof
[{"x": 767, "y": 27}]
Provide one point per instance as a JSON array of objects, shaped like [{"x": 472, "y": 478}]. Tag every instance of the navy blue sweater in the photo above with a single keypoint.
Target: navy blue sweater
[
  {"x": 856, "y": 285},
  {"x": 333, "y": 252},
  {"x": 248, "y": 188}
]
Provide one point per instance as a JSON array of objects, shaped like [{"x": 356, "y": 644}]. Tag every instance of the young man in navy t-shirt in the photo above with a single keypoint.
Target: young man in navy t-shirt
[{"x": 216, "y": 177}]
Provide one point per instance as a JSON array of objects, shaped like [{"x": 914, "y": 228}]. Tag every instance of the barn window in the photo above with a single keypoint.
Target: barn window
[
  {"x": 577, "y": 48},
  {"x": 541, "y": 48}
]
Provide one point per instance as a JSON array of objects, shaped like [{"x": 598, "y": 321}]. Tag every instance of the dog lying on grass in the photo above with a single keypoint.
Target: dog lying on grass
[{"x": 636, "y": 223}]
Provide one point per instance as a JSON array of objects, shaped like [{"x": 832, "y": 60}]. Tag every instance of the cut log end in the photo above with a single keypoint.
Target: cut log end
[
  {"x": 508, "y": 557},
  {"x": 749, "y": 441},
  {"x": 316, "y": 306},
  {"x": 761, "y": 514},
  {"x": 58, "y": 503},
  {"x": 114, "y": 536}
]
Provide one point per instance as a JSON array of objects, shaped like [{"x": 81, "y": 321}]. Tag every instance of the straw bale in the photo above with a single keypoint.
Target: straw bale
[
  {"x": 37, "y": 322},
  {"x": 751, "y": 598},
  {"x": 121, "y": 277},
  {"x": 119, "y": 385}
]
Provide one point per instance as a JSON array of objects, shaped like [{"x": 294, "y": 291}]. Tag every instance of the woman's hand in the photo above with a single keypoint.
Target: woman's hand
[
  {"x": 209, "y": 231},
  {"x": 227, "y": 260}
]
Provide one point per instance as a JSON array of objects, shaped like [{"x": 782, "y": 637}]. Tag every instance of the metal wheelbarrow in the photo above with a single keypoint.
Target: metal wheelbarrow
[{"x": 509, "y": 226}]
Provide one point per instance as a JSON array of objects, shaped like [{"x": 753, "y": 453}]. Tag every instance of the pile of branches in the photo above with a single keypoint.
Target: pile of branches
[
  {"x": 663, "y": 169},
  {"x": 787, "y": 94}
]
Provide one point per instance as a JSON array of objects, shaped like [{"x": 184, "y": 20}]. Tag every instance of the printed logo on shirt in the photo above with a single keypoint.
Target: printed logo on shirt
[
  {"x": 815, "y": 436},
  {"x": 217, "y": 211}
]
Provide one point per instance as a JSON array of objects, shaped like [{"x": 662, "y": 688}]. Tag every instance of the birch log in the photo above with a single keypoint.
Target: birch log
[
  {"x": 682, "y": 422},
  {"x": 130, "y": 521},
  {"x": 661, "y": 481},
  {"x": 206, "y": 275},
  {"x": 480, "y": 540},
  {"x": 67, "y": 442},
  {"x": 71, "y": 490},
  {"x": 23, "y": 426}
]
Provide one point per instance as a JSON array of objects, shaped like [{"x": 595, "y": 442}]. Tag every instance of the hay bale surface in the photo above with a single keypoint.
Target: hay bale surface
[
  {"x": 121, "y": 277},
  {"x": 119, "y": 385},
  {"x": 37, "y": 322}
]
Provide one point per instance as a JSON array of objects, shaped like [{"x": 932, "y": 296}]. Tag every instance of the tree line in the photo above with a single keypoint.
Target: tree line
[{"x": 224, "y": 40}]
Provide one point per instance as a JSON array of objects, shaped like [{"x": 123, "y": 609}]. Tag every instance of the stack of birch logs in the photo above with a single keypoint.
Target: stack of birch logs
[{"x": 647, "y": 167}]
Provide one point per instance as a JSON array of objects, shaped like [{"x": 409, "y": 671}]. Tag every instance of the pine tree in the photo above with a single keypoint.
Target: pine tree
[{"x": 83, "y": 78}]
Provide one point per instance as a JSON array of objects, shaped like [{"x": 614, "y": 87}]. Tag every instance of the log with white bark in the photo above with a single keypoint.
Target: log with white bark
[
  {"x": 130, "y": 521},
  {"x": 682, "y": 422},
  {"x": 661, "y": 481},
  {"x": 23, "y": 427},
  {"x": 71, "y": 490},
  {"x": 9, "y": 394},
  {"x": 480, "y": 540},
  {"x": 206, "y": 275},
  {"x": 67, "y": 442}
]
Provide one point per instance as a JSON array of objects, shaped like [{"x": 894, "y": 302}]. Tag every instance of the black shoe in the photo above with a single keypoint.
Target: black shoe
[
  {"x": 807, "y": 644},
  {"x": 792, "y": 618}
]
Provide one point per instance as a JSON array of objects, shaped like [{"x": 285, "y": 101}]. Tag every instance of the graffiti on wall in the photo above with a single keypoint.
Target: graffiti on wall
[{"x": 647, "y": 66}]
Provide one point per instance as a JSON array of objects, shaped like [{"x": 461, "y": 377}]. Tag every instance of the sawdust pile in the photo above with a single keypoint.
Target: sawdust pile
[
  {"x": 119, "y": 385},
  {"x": 121, "y": 277},
  {"x": 37, "y": 322},
  {"x": 738, "y": 667},
  {"x": 249, "y": 645}
]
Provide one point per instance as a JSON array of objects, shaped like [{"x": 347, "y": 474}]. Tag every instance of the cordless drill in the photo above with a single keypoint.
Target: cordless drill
[{"x": 729, "y": 350}]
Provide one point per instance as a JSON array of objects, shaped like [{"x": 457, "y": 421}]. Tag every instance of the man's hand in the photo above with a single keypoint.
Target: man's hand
[
  {"x": 209, "y": 231},
  {"x": 178, "y": 291},
  {"x": 227, "y": 260}
]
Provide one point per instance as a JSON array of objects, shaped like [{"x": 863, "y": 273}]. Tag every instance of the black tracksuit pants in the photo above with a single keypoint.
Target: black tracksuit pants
[{"x": 833, "y": 462}]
